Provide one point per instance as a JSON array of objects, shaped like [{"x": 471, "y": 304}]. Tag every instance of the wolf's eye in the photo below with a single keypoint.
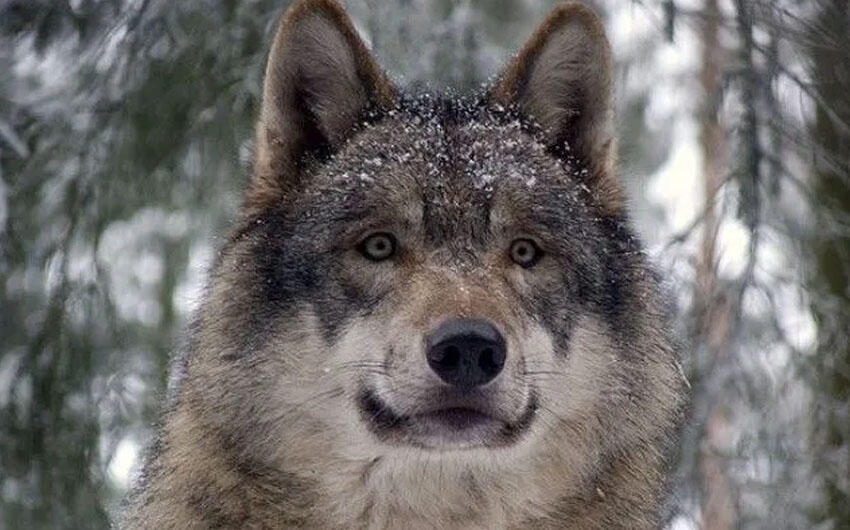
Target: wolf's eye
[
  {"x": 525, "y": 253},
  {"x": 378, "y": 247}
]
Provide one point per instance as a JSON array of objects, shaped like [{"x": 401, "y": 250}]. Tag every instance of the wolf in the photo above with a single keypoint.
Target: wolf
[{"x": 432, "y": 311}]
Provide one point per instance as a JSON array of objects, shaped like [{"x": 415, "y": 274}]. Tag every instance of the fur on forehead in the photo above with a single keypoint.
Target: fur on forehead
[{"x": 441, "y": 141}]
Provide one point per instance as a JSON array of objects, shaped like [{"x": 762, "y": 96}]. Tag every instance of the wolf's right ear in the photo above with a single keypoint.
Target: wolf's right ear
[
  {"x": 320, "y": 77},
  {"x": 562, "y": 79}
]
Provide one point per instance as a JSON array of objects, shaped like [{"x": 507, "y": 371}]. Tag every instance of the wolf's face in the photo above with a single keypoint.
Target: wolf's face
[
  {"x": 425, "y": 286},
  {"x": 441, "y": 259}
]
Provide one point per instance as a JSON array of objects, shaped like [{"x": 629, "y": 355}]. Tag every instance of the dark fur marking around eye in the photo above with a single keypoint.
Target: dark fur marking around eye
[
  {"x": 292, "y": 271},
  {"x": 620, "y": 258}
]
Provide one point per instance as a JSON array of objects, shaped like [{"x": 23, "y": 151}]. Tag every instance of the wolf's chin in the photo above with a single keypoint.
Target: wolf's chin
[{"x": 447, "y": 428}]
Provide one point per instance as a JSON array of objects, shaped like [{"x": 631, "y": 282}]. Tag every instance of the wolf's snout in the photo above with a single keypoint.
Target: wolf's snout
[{"x": 466, "y": 352}]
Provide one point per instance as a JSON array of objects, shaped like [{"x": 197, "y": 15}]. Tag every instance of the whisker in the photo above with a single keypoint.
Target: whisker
[
  {"x": 355, "y": 364},
  {"x": 542, "y": 372},
  {"x": 299, "y": 405}
]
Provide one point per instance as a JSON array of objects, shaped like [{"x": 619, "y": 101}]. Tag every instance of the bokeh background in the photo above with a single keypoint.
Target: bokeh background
[{"x": 124, "y": 135}]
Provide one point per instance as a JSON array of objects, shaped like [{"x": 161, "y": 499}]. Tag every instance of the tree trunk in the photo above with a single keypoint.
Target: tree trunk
[{"x": 718, "y": 510}]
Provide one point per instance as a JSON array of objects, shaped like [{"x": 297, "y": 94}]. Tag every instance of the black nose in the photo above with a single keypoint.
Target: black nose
[{"x": 466, "y": 352}]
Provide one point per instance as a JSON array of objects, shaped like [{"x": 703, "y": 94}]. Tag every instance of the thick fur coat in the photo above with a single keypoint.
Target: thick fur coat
[{"x": 310, "y": 394}]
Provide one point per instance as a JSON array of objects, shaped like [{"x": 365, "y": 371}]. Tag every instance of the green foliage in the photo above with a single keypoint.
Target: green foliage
[
  {"x": 830, "y": 55},
  {"x": 120, "y": 112}
]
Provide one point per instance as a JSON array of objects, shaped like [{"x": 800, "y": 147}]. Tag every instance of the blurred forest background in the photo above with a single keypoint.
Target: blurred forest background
[{"x": 125, "y": 129}]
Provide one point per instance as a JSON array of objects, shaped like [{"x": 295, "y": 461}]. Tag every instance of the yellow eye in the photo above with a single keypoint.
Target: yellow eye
[
  {"x": 525, "y": 253},
  {"x": 378, "y": 247}
]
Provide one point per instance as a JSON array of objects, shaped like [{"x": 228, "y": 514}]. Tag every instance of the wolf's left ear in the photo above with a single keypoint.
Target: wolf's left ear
[
  {"x": 320, "y": 78},
  {"x": 562, "y": 79}
]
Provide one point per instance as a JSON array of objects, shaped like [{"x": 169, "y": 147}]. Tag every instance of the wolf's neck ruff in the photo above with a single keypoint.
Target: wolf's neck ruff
[{"x": 433, "y": 313}]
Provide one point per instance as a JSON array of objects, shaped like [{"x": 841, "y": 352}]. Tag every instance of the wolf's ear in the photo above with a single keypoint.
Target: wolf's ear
[
  {"x": 562, "y": 79},
  {"x": 320, "y": 77}
]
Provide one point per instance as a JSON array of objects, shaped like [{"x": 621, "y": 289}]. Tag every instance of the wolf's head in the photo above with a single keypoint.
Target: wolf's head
[{"x": 423, "y": 284}]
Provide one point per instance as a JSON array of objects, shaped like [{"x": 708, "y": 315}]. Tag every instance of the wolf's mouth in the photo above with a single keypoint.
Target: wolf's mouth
[{"x": 450, "y": 427}]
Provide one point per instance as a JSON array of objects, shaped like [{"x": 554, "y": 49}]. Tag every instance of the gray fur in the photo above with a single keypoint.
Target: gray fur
[{"x": 305, "y": 386}]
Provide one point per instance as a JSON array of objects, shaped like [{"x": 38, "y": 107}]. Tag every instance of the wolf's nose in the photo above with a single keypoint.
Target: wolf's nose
[{"x": 466, "y": 352}]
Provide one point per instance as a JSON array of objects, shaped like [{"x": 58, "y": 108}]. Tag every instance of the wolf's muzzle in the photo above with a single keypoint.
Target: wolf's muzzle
[{"x": 466, "y": 352}]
